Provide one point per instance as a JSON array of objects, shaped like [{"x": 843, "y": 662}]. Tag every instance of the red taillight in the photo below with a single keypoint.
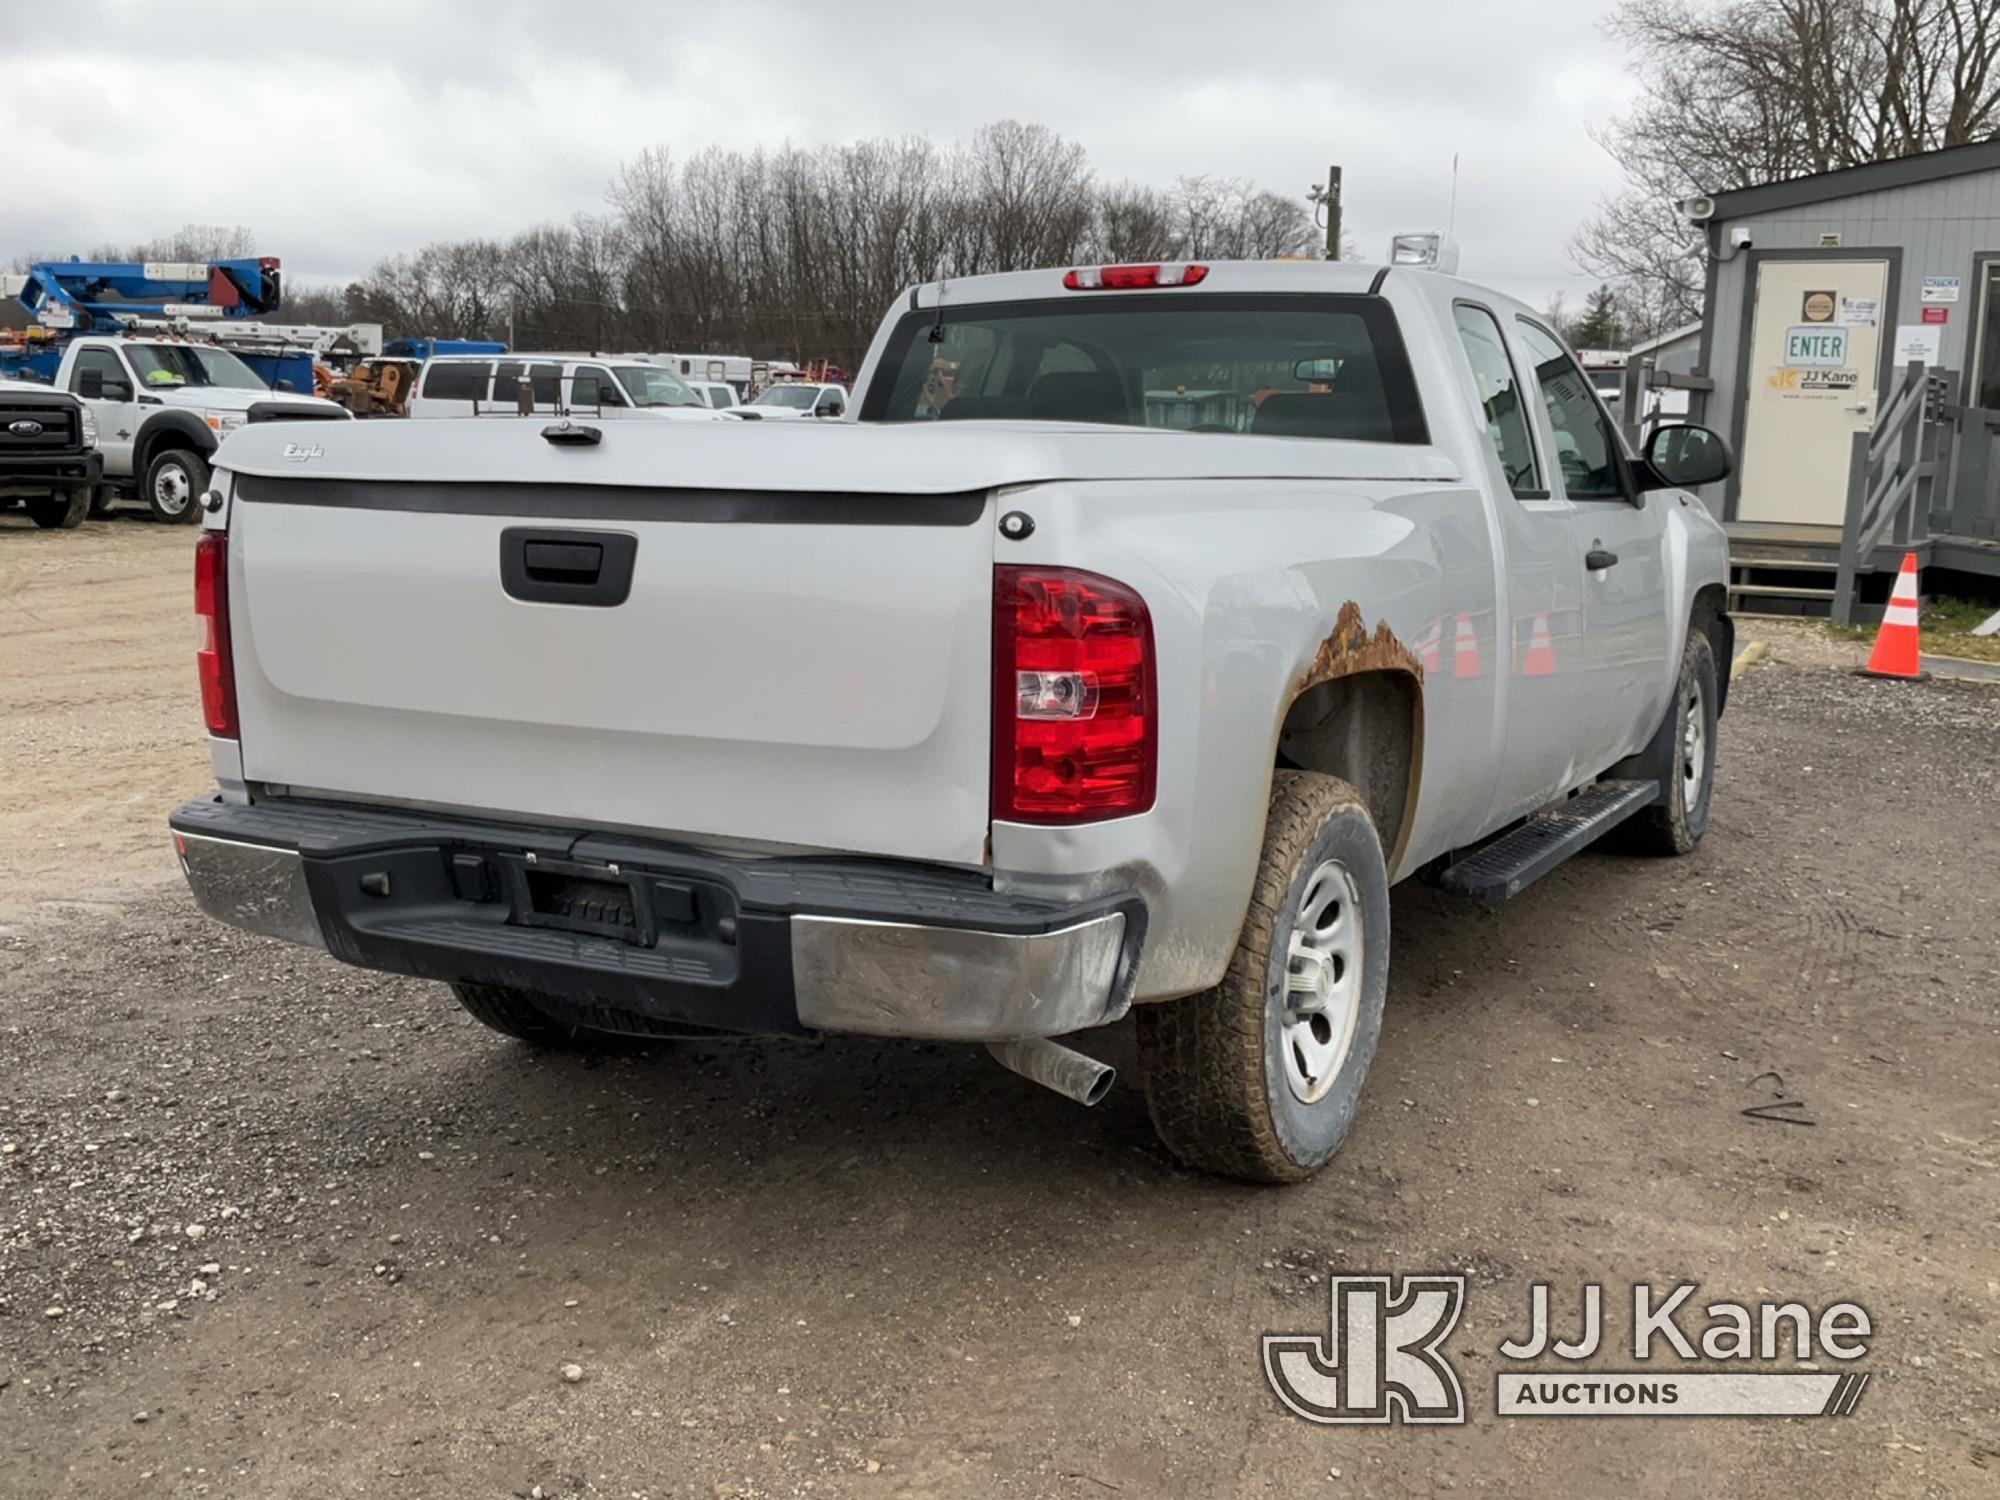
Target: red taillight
[
  {"x": 1130, "y": 278},
  {"x": 1075, "y": 726},
  {"x": 211, "y": 648}
]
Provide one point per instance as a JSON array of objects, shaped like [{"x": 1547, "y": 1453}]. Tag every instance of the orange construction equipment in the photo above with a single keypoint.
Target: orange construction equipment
[
  {"x": 1465, "y": 648},
  {"x": 1898, "y": 646},
  {"x": 1541, "y": 658}
]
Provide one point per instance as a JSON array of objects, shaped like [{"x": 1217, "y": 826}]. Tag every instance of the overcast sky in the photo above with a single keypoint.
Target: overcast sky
[{"x": 341, "y": 133}]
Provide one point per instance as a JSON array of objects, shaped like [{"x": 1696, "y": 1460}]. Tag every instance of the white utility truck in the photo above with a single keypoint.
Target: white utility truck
[
  {"x": 163, "y": 405},
  {"x": 990, "y": 717}
]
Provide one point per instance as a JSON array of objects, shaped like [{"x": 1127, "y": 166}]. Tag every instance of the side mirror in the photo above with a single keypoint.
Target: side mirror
[
  {"x": 1682, "y": 457},
  {"x": 285, "y": 387},
  {"x": 829, "y": 411},
  {"x": 90, "y": 385},
  {"x": 1316, "y": 371}
]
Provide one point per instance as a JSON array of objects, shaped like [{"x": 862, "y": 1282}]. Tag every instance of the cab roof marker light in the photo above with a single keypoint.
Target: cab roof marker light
[
  {"x": 1134, "y": 277},
  {"x": 1432, "y": 249}
]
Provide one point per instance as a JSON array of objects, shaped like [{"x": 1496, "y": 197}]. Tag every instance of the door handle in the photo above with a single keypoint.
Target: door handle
[
  {"x": 1598, "y": 558},
  {"x": 567, "y": 567},
  {"x": 563, "y": 562}
]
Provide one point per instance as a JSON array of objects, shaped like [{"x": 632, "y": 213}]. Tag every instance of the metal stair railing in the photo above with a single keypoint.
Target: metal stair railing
[{"x": 1883, "y": 471}]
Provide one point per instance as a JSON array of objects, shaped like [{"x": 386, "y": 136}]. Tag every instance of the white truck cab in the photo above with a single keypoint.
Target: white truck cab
[
  {"x": 719, "y": 394},
  {"x": 162, "y": 406},
  {"x": 611, "y": 389},
  {"x": 795, "y": 400}
]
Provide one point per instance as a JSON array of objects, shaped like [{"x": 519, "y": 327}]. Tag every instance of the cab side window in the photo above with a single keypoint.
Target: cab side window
[
  {"x": 1586, "y": 447},
  {"x": 1500, "y": 399},
  {"x": 104, "y": 364},
  {"x": 457, "y": 380}
]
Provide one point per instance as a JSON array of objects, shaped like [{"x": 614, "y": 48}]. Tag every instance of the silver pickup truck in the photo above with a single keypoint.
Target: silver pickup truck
[{"x": 1140, "y": 627}]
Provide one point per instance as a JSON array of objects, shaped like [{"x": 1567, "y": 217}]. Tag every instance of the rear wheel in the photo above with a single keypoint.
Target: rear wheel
[
  {"x": 1681, "y": 755},
  {"x": 1258, "y": 1078},
  {"x": 176, "y": 479},
  {"x": 517, "y": 1014},
  {"x": 60, "y": 512}
]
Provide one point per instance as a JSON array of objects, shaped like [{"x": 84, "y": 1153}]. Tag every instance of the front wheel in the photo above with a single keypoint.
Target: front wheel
[
  {"x": 1682, "y": 756},
  {"x": 60, "y": 512},
  {"x": 175, "y": 482},
  {"x": 1258, "y": 1078}
]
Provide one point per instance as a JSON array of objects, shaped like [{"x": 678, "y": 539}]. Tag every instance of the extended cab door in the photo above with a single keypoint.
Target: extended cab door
[
  {"x": 1620, "y": 554},
  {"x": 100, "y": 377},
  {"x": 1539, "y": 581}
]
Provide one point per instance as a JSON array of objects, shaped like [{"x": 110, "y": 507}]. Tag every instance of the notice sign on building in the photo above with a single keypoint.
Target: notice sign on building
[
  {"x": 1942, "y": 288},
  {"x": 1818, "y": 346}
]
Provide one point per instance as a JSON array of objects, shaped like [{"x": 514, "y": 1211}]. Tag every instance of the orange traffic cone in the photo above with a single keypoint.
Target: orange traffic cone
[
  {"x": 1898, "y": 646},
  {"x": 1465, "y": 648},
  {"x": 1541, "y": 658},
  {"x": 1427, "y": 645}
]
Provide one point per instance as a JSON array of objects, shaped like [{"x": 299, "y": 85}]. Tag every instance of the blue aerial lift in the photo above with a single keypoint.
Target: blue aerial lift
[{"x": 69, "y": 297}]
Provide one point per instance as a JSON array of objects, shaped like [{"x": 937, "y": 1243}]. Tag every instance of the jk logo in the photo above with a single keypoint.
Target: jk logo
[{"x": 1380, "y": 1360}]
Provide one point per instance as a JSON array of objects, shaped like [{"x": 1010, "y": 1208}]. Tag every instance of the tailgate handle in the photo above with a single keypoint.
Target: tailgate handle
[
  {"x": 592, "y": 568},
  {"x": 563, "y": 562}
]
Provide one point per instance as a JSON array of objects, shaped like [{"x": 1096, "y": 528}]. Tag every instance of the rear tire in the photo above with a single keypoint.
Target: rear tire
[
  {"x": 1681, "y": 754},
  {"x": 1243, "y": 1080},
  {"x": 61, "y": 512},
  {"x": 176, "y": 480},
  {"x": 514, "y": 1013}
]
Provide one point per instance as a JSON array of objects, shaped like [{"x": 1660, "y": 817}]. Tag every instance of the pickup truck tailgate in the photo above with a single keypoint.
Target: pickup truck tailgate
[{"x": 799, "y": 668}]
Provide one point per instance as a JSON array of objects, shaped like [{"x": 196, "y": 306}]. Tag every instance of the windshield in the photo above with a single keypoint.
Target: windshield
[
  {"x": 1280, "y": 365},
  {"x": 191, "y": 364},
  {"x": 798, "y": 397},
  {"x": 649, "y": 385}
]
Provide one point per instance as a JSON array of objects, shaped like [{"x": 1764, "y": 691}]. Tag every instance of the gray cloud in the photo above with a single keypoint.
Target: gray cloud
[{"x": 344, "y": 133}]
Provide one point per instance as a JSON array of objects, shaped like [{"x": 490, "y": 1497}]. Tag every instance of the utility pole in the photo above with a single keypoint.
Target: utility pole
[{"x": 1327, "y": 199}]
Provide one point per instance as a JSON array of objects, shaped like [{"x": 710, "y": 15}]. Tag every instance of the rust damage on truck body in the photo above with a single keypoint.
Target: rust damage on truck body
[{"x": 1349, "y": 650}]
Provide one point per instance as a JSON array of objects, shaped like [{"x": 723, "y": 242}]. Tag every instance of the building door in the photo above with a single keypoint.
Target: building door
[
  {"x": 1815, "y": 351},
  {"x": 1984, "y": 387}
]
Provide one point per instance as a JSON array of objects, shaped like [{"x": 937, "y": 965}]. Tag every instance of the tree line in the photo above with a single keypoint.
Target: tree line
[{"x": 798, "y": 252}]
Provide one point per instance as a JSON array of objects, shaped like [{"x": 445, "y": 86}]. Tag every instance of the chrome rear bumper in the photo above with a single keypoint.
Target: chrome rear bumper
[{"x": 252, "y": 886}]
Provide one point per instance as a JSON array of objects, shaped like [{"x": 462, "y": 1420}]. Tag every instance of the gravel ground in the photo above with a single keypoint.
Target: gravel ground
[{"x": 274, "y": 1228}]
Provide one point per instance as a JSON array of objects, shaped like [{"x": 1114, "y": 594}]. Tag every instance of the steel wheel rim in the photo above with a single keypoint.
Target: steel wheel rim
[
  {"x": 171, "y": 489},
  {"x": 1694, "y": 747},
  {"x": 1321, "y": 998}
]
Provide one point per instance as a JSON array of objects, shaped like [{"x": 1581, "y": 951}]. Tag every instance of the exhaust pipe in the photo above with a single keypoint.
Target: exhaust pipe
[{"x": 1053, "y": 1066}]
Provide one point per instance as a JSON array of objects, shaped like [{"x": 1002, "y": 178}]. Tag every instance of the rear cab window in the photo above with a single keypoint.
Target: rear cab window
[
  {"x": 1284, "y": 365},
  {"x": 457, "y": 380}
]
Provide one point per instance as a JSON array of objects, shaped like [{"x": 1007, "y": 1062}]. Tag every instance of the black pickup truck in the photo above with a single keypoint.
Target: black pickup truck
[{"x": 48, "y": 454}]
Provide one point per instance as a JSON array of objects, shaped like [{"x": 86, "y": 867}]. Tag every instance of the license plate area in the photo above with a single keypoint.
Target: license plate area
[{"x": 629, "y": 906}]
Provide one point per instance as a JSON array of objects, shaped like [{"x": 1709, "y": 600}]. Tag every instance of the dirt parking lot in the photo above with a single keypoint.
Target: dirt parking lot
[{"x": 274, "y": 1228}]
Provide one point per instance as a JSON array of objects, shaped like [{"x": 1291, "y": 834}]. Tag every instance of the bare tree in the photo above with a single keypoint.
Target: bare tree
[{"x": 1749, "y": 91}]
